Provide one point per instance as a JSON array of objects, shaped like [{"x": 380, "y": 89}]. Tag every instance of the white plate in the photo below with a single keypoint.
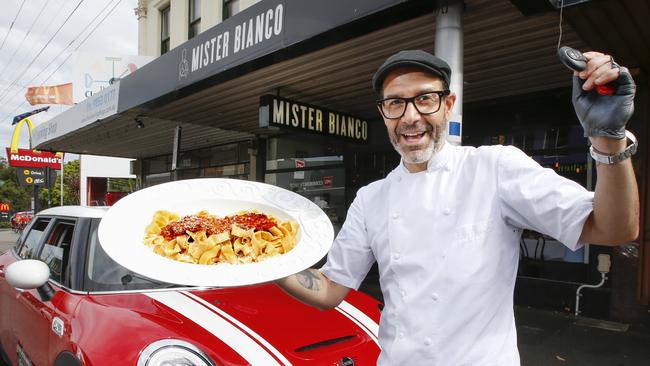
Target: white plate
[{"x": 122, "y": 229}]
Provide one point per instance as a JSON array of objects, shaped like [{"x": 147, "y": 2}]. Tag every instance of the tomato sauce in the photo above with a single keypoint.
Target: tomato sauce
[{"x": 213, "y": 225}]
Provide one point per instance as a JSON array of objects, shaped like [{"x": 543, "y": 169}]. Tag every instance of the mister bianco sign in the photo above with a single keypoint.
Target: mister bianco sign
[
  {"x": 285, "y": 113},
  {"x": 237, "y": 36}
]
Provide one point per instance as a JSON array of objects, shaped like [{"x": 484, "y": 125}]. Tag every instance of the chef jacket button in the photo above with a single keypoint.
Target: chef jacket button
[
  {"x": 427, "y": 341},
  {"x": 395, "y": 216},
  {"x": 396, "y": 256},
  {"x": 446, "y": 211},
  {"x": 399, "y": 179},
  {"x": 400, "y": 335},
  {"x": 434, "y": 296},
  {"x": 403, "y": 293}
]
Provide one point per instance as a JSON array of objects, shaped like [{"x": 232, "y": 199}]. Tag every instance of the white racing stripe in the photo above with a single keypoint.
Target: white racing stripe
[
  {"x": 242, "y": 326},
  {"x": 361, "y": 319},
  {"x": 242, "y": 343}
]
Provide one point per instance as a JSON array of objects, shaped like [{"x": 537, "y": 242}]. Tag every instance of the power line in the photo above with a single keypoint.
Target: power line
[
  {"x": 41, "y": 51},
  {"x": 46, "y": 30},
  {"x": 76, "y": 48},
  {"x": 24, "y": 38},
  {"x": 12, "y": 24}
]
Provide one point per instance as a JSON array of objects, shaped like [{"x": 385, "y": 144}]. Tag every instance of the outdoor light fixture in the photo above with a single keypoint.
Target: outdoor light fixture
[{"x": 138, "y": 122}]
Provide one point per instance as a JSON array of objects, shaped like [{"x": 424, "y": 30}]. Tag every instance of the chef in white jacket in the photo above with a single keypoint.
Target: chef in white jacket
[{"x": 444, "y": 226}]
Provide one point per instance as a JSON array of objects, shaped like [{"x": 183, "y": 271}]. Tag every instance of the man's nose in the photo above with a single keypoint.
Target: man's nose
[{"x": 411, "y": 114}]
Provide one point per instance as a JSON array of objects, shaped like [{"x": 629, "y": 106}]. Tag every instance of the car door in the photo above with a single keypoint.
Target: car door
[
  {"x": 17, "y": 299},
  {"x": 8, "y": 296},
  {"x": 58, "y": 312},
  {"x": 39, "y": 326}
]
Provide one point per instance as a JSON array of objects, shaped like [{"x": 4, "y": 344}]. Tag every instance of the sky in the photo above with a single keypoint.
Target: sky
[{"x": 36, "y": 24}]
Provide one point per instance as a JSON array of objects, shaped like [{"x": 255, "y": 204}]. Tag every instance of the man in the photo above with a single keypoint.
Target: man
[{"x": 444, "y": 226}]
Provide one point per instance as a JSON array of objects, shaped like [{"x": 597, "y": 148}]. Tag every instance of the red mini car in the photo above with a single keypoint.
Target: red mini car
[{"x": 63, "y": 301}]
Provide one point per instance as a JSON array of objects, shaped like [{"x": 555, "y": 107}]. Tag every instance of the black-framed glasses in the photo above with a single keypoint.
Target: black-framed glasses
[{"x": 425, "y": 103}]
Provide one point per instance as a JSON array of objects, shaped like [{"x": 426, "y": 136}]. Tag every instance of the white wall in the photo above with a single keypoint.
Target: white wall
[{"x": 100, "y": 166}]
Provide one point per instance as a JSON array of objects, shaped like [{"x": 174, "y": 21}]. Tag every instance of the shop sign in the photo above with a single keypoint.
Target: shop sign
[
  {"x": 252, "y": 34},
  {"x": 100, "y": 105},
  {"x": 284, "y": 113},
  {"x": 34, "y": 176},
  {"x": 307, "y": 185},
  {"x": 5, "y": 207},
  {"x": 34, "y": 159}
]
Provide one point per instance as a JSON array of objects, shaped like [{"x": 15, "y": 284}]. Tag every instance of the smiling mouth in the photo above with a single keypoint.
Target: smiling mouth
[{"x": 413, "y": 137}]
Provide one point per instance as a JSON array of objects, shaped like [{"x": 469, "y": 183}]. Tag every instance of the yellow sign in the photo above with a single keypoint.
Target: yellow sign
[
  {"x": 29, "y": 180},
  {"x": 285, "y": 113},
  {"x": 16, "y": 135}
]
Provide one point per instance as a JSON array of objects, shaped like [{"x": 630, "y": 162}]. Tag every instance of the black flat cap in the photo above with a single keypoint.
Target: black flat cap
[{"x": 415, "y": 58}]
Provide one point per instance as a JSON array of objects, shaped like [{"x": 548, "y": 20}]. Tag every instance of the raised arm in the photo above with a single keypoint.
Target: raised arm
[
  {"x": 313, "y": 288},
  {"x": 615, "y": 218}
]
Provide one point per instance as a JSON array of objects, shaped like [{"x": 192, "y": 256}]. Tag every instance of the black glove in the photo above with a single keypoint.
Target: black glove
[{"x": 605, "y": 115}]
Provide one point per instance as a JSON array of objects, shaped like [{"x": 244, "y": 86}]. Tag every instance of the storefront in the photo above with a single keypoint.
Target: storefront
[{"x": 199, "y": 110}]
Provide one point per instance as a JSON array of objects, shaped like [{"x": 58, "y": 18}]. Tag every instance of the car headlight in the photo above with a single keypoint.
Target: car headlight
[{"x": 173, "y": 352}]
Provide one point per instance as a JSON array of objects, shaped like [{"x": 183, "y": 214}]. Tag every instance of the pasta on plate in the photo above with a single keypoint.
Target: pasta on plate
[{"x": 245, "y": 237}]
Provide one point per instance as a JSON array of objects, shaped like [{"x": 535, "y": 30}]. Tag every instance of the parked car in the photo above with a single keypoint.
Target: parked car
[
  {"x": 78, "y": 307},
  {"x": 20, "y": 219}
]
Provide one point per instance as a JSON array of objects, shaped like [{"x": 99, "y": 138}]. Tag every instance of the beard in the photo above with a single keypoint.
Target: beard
[{"x": 419, "y": 154}]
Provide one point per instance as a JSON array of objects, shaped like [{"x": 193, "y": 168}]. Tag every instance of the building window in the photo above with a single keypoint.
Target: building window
[
  {"x": 164, "y": 30},
  {"x": 230, "y": 8},
  {"x": 194, "y": 18}
]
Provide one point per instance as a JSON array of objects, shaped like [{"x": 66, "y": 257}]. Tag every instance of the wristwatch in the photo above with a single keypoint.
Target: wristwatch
[{"x": 618, "y": 157}]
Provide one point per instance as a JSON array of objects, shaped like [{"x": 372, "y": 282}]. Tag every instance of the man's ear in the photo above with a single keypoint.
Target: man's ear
[{"x": 449, "y": 104}]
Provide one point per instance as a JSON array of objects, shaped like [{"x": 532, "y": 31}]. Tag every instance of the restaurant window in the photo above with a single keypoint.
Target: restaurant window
[
  {"x": 225, "y": 161},
  {"x": 164, "y": 30},
  {"x": 194, "y": 18},
  {"x": 312, "y": 169}
]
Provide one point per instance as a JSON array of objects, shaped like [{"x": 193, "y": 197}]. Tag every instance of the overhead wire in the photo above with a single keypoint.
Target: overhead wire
[
  {"x": 76, "y": 48},
  {"x": 24, "y": 38},
  {"x": 12, "y": 24},
  {"x": 46, "y": 30},
  {"x": 6, "y": 91}
]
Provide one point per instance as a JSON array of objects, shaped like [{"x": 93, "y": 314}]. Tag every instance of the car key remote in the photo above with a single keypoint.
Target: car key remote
[{"x": 576, "y": 61}]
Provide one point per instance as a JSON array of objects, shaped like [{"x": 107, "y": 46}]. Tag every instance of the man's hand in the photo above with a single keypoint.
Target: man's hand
[{"x": 603, "y": 115}]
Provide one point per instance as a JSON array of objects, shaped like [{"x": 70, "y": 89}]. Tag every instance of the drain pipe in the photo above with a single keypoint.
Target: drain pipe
[{"x": 604, "y": 264}]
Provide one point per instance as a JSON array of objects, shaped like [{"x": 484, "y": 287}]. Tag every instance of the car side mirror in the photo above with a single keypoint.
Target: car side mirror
[{"x": 30, "y": 274}]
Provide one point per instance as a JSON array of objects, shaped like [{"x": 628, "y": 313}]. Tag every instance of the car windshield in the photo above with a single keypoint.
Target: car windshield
[{"x": 104, "y": 274}]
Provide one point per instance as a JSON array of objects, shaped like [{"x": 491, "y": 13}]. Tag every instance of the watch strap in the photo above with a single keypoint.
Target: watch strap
[{"x": 618, "y": 157}]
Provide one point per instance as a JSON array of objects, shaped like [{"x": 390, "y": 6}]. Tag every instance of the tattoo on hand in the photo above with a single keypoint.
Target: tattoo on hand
[{"x": 309, "y": 280}]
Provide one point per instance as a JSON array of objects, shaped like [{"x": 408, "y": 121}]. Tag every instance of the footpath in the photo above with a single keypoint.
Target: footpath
[{"x": 552, "y": 338}]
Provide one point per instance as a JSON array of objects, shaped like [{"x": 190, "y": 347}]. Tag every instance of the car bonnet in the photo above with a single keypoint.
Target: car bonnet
[{"x": 266, "y": 326}]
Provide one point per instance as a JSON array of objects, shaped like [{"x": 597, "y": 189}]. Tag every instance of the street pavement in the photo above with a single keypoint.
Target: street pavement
[
  {"x": 546, "y": 338},
  {"x": 7, "y": 239}
]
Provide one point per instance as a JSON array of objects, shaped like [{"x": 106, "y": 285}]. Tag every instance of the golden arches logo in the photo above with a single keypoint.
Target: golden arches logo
[{"x": 16, "y": 135}]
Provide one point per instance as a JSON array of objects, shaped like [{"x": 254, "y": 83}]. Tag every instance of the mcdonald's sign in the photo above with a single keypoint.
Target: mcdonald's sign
[
  {"x": 34, "y": 159},
  {"x": 30, "y": 158},
  {"x": 5, "y": 207}
]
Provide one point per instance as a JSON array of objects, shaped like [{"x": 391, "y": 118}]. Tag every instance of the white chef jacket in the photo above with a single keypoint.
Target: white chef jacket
[{"x": 446, "y": 241}]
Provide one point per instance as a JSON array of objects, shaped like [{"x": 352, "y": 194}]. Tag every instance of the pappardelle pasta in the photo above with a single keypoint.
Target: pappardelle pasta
[{"x": 245, "y": 237}]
